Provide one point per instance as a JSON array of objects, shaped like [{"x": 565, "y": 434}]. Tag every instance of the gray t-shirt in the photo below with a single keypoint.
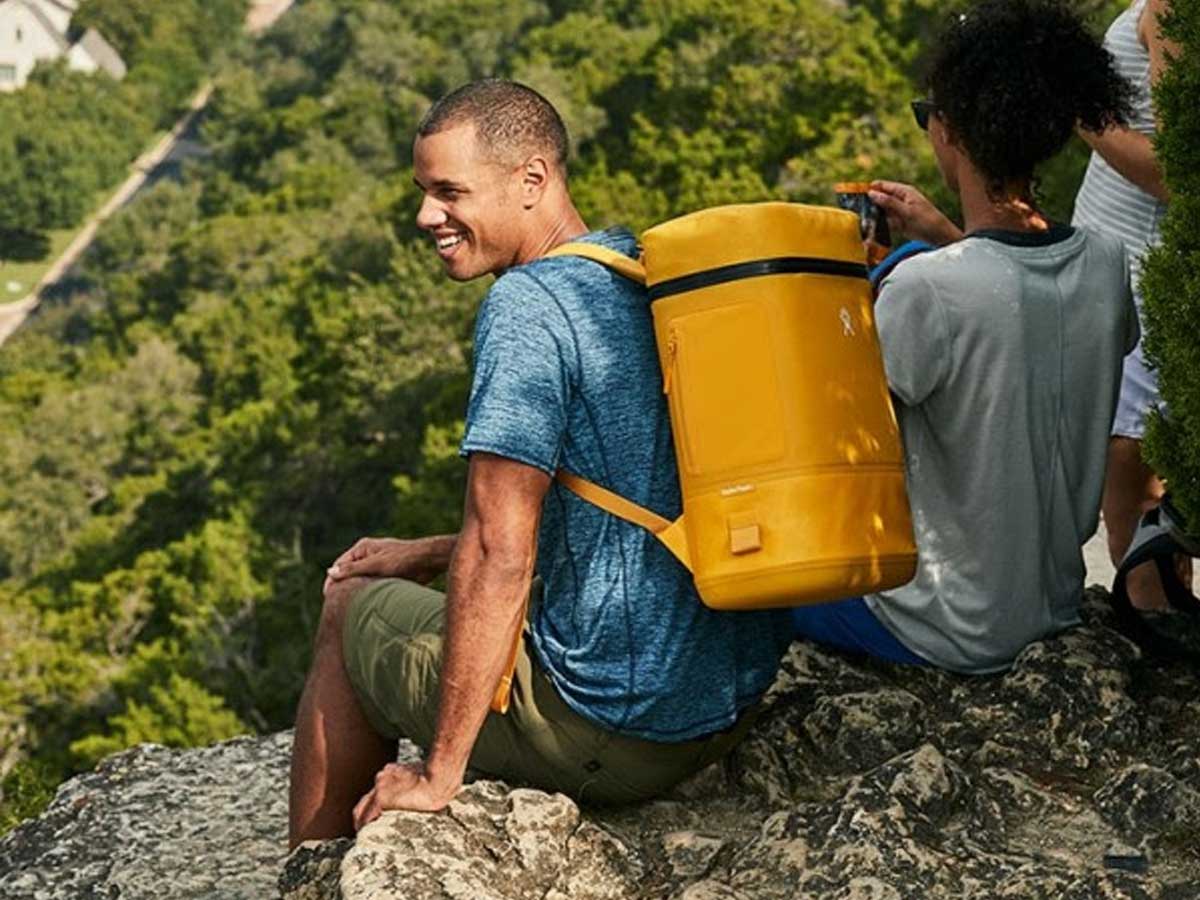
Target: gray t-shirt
[{"x": 1004, "y": 353}]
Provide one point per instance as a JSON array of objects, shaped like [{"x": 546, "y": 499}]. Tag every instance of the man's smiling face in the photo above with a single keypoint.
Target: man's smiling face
[{"x": 470, "y": 205}]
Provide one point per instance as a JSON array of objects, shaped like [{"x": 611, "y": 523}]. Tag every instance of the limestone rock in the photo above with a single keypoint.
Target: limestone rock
[
  {"x": 153, "y": 822},
  {"x": 1143, "y": 801},
  {"x": 314, "y": 870},
  {"x": 690, "y": 855},
  {"x": 864, "y": 729},
  {"x": 491, "y": 843},
  {"x": 1075, "y": 776}
]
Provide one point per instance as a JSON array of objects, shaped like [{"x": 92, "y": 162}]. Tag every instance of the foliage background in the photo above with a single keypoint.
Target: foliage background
[
  {"x": 268, "y": 363},
  {"x": 68, "y": 135},
  {"x": 1170, "y": 282}
]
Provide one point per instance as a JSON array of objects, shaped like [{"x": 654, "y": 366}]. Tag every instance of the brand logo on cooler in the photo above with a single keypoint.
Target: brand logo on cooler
[{"x": 736, "y": 489}]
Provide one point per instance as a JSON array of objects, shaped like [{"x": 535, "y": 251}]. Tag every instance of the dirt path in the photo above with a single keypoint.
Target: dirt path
[{"x": 262, "y": 15}]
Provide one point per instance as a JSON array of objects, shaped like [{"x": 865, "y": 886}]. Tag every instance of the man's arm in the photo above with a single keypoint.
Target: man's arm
[{"x": 488, "y": 586}]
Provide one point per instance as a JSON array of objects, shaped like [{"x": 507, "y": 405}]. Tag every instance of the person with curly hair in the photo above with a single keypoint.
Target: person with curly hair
[
  {"x": 1003, "y": 350},
  {"x": 1123, "y": 194}
]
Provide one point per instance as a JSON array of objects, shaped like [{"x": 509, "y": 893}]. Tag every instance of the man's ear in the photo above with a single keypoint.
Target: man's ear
[{"x": 535, "y": 178}]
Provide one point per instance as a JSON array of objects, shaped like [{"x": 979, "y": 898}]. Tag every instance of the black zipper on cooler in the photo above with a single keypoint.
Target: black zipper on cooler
[{"x": 783, "y": 265}]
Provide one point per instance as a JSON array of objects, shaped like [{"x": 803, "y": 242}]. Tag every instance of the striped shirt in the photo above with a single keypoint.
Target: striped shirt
[{"x": 1107, "y": 201}]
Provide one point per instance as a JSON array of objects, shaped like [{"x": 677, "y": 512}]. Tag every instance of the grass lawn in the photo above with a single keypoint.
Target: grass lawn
[{"x": 18, "y": 278}]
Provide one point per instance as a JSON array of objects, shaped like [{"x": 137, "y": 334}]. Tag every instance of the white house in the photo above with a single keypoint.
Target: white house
[
  {"x": 35, "y": 30},
  {"x": 59, "y": 12}
]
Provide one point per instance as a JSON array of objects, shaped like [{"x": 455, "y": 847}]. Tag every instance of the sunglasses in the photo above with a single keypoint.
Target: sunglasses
[{"x": 922, "y": 110}]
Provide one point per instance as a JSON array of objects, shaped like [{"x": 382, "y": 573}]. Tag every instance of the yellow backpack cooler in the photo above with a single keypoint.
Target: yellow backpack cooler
[{"x": 790, "y": 462}]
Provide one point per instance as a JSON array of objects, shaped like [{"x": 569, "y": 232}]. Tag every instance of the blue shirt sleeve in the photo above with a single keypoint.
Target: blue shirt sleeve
[{"x": 525, "y": 374}]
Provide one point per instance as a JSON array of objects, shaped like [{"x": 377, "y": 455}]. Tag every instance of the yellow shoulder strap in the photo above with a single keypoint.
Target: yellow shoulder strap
[
  {"x": 672, "y": 534},
  {"x": 610, "y": 259},
  {"x": 503, "y": 693},
  {"x": 613, "y": 503}
]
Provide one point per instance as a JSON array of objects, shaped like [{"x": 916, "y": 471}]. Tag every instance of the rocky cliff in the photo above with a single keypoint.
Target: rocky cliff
[{"x": 1076, "y": 775}]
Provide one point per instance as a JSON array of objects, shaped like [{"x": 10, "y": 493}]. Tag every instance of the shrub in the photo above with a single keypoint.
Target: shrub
[
  {"x": 25, "y": 792},
  {"x": 1171, "y": 282}
]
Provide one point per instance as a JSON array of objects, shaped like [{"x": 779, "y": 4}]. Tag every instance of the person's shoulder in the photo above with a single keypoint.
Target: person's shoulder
[
  {"x": 940, "y": 284},
  {"x": 550, "y": 288},
  {"x": 956, "y": 267},
  {"x": 916, "y": 273},
  {"x": 517, "y": 303},
  {"x": 1104, "y": 257},
  {"x": 1101, "y": 242},
  {"x": 569, "y": 275},
  {"x": 1106, "y": 266},
  {"x": 515, "y": 285},
  {"x": 554, "y": 288}
]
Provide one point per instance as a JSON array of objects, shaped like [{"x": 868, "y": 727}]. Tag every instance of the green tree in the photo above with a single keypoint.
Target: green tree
[
  {"x": 179, "y": 714},
  {"x": 1172, "y": 292},
  {"x": 66, "y": 135},
  {"x": 63, "y": 137}
]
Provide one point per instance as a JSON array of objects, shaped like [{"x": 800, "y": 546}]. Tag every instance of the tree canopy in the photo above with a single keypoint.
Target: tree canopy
[{"x": 68, "y": 135}]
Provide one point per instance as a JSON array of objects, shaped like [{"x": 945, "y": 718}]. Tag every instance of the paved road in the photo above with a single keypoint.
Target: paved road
[
  {"x": 264, "y": 13},
  {"x": 12, "y": 315}
]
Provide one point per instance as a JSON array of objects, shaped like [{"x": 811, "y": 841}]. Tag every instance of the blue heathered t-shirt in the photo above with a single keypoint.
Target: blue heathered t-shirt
[{"x": 567, "y": 376}]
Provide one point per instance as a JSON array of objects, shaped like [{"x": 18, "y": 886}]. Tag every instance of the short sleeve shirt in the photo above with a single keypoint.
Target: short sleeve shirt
[
  {"x": 1005, "y": 355},
  {"x": 567, "y": 376}
]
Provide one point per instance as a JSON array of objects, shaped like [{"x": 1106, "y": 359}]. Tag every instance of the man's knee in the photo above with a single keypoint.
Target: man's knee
[{"x": 338, "y": 596}]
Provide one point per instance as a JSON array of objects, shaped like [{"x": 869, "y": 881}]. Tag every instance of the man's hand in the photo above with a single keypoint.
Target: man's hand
[
  {"x": 420, "y": 560},
  {"x": 910, "y": 212},
  {"x": 408, "y": 786}
]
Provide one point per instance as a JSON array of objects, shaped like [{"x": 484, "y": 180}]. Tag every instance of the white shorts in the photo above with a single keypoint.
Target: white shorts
[{"x": 1139, "y": 394}]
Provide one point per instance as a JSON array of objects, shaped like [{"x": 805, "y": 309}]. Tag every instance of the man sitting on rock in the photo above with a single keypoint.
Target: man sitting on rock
[{"x": 625, "y": 683}]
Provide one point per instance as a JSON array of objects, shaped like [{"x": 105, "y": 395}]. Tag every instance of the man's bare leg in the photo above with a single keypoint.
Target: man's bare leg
[{"x": 335, "y": 752}]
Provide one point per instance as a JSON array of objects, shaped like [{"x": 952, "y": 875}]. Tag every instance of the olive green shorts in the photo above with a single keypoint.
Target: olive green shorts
[{"x": 393, "y": 650}]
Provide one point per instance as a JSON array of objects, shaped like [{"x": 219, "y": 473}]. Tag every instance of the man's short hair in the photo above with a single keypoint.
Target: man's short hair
[{"x": 510, "y": 120}]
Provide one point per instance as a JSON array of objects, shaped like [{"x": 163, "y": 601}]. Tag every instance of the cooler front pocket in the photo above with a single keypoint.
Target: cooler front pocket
[{"x": 720, "y": 372}]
